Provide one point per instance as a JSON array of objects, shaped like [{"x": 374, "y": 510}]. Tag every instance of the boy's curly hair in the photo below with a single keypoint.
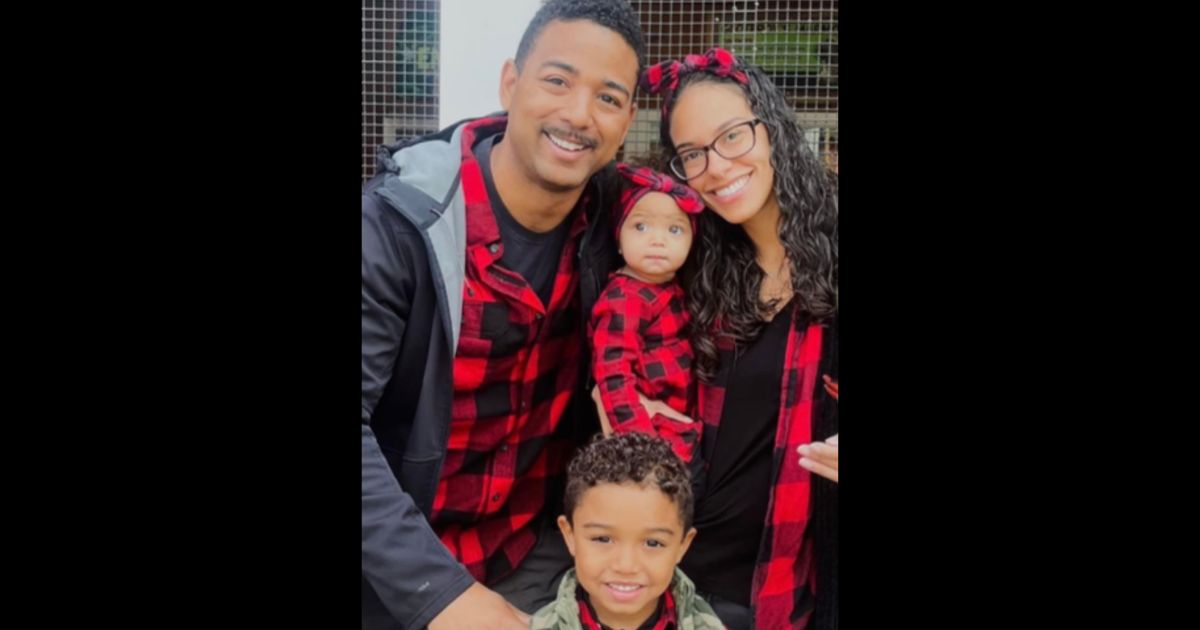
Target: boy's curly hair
[{"x": 630, "y": 457}]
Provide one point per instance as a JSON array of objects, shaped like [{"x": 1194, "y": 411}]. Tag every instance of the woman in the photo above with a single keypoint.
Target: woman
[{"x": 762, "y": 295}]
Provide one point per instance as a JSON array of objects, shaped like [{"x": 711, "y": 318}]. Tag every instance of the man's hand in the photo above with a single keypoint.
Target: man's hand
[{"x": 480, "y": 608}]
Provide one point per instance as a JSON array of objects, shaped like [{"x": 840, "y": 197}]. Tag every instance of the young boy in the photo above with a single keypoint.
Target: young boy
[
  {"x": 638, "y": 325},
  {"x": 628, "y": 523}
]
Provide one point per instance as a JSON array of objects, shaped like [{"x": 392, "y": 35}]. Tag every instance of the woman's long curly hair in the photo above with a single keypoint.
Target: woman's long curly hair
[{"x": 722, "y": 277}]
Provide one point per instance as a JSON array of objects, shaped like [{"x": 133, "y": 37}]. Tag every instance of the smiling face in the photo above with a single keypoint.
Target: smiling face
[
  {"x": 570, "y": 105},
  {"x": 626, "y": 540},
  {"x": 737, "y": 189}
]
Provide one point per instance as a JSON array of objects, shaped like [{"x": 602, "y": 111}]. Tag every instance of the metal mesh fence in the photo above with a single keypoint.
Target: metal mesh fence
[
  {"x": 794, "y": 41},
  {"x": 399, "y": 72}
]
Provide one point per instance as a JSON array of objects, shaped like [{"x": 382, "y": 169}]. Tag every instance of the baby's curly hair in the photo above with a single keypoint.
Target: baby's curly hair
[{"x": 630, "y": 457}]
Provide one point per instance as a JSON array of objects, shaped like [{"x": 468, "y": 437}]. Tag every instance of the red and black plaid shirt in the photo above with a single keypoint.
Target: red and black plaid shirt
[
  {"x": 515, "y": 369},
  {"x": 783, "y": 590},
  {"x": 664, "y": 619},
  {"x": 639, "y": 343}
]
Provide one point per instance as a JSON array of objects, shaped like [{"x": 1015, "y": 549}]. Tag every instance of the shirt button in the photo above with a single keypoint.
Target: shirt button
[
  {"x": 503, "y": 448},
  {"x": 496, "y": 497},
  {"x": 493, "y": 247},
  {"x": 538, "y": 317}
]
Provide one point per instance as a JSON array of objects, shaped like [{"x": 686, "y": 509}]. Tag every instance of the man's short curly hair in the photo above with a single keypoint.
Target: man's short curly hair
[{"x": 645, "y": 460}]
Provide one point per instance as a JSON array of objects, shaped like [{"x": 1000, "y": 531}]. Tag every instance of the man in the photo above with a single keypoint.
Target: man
[{"x": 484, "y": 247}]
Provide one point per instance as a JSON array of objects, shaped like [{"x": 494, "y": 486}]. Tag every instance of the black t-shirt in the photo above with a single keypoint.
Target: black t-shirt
[
  {"x": 532, "y": 255},
  {"x": 730, "y": 516}
]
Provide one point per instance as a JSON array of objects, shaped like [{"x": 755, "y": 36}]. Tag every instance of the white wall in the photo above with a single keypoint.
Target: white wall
[{"x": 477, "y": 36}]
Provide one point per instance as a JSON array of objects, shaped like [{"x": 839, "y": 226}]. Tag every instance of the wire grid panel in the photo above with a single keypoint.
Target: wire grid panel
[
  {"x": 399, "y": 73},
  {"x": 793, "y": 41}
]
